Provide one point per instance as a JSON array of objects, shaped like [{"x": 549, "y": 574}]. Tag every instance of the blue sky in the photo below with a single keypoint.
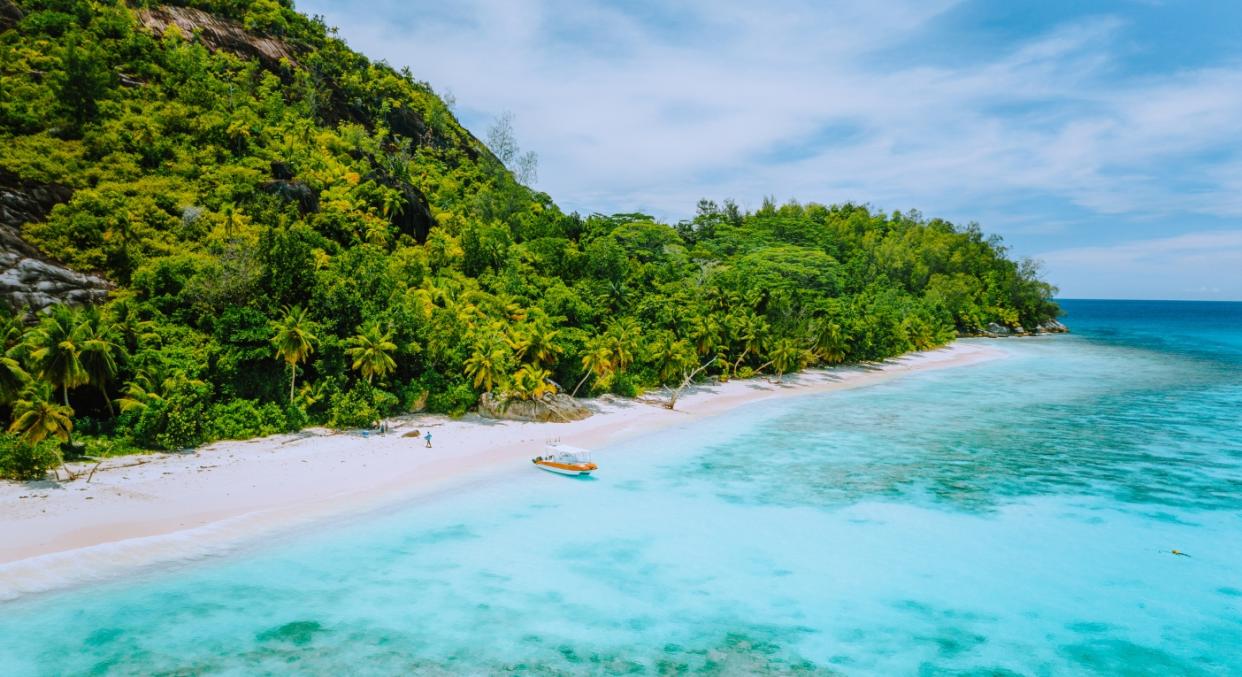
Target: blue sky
[{"x": 1104, "y": 138}]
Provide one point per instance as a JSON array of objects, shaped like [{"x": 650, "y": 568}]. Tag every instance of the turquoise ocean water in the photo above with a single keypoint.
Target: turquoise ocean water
[{"x": 1013, "y": 517}]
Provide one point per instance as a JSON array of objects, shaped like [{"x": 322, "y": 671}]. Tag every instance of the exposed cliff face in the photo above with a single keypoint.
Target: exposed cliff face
[
  {"x": 219, "y": 34},
  {"x": 10, "y": 14},
  {"x": 28, "y": 280}
]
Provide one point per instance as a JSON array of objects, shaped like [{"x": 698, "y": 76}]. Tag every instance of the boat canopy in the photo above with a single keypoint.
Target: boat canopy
[{"x": 573, "y": 454}]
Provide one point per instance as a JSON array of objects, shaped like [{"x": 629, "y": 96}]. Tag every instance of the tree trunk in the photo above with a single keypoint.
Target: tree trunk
[
  {"x": 107, "y": 401},
  {"x": 739, "y": 360},
  {"x": 584, "y": 378},
  {"x": 293, "y": 379},
  {"x": 672, "y": 400}
]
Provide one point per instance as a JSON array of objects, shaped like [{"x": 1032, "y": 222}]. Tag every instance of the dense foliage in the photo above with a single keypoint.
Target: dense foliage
[{"x": 318, "y": 240}]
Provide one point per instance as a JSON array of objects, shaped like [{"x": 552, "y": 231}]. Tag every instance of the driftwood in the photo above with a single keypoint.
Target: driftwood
[{"x": 689, "y": 378}]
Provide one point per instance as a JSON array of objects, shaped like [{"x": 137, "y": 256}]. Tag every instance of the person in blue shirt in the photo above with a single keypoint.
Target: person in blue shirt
[{"x": 428, "y": 438}]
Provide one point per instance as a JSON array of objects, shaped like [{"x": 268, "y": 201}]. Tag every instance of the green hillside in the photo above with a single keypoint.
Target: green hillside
[{"x": 278, "y": 214}]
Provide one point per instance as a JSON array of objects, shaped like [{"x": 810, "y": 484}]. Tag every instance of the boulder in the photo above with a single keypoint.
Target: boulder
[
  {"x": 28, "y": 279},
  {"x": 995, "y": 329},
  {"x": 10, "y": 15},
  {"x": 300, "y": 194},
  {"x": 219, "y": 34},
  {"x": 416, "y": 218},
  {"x": 559, "y": 408},
  {"x": 1052, "y": 327}
]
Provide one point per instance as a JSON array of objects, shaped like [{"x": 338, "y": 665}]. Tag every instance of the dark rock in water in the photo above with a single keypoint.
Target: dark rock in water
[
  {"x": 994, "y": 329},
  {"x": 297, "y": 632},
  {"x": 559, "y": 408},
  {"x": 28, "y": 279},
  {"x": 997, "y": 330}
]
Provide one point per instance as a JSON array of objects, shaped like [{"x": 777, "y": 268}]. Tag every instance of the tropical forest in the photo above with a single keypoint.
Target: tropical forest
[{"x": 271, "y": 231}]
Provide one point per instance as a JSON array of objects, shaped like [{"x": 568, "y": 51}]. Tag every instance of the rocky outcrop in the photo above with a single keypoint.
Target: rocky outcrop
[
  {"x": 415, "y": 217},
  {"x": 27, "y": 283},
  {"x": 28, "y": 279},
  {"x": 295, "y": 192},
  {"x": 1052, "y": 327},
  {"x": 994, "y": 329},
  {"x": 997, "y": 330},
  {"x": 218, "y": 34},
  {"x": 23, "y": 201},
  {"x": 559, "y": 408},
  {"x": 10, "y": 15}
]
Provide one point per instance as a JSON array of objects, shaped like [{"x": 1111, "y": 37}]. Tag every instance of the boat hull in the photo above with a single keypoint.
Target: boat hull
[{"x": 575, "y": 470}]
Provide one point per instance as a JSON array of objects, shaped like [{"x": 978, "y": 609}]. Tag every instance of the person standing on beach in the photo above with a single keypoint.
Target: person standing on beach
[{"x": 428, "y": 438}]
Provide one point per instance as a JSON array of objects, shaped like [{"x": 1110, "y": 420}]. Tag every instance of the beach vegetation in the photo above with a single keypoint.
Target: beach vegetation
[
  {"x": 293, "y": 341},
  {"x": 371, "y": 350},
  {"x": 37, "y": 416},
  {"x": 315, "y": 239},
  {"x": 23, "y": 460}
]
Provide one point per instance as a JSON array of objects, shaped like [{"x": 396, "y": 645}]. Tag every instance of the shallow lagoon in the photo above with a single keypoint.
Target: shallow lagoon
[{"x": 1015, "y": 516}]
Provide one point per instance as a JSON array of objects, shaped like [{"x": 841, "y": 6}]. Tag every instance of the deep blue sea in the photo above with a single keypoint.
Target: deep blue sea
[{"x": 1011, "y": 517}]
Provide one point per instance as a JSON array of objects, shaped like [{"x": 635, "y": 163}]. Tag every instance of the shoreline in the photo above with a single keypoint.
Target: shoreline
[{"x": 139, "y": 511}]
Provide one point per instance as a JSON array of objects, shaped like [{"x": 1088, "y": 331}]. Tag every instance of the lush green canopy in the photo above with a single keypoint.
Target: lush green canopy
[{"x": 323, "y": 224}]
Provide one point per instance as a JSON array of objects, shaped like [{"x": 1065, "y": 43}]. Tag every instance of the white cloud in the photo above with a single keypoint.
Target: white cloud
[
  {"x": 1192, "y": 265},
  {"x": 657, "y": 105}
]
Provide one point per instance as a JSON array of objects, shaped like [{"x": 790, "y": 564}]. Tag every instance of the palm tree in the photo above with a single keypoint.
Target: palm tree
[
  {"x": 750, "y": 330},
  {"x": 830, "y": 342},
  {"x": 11, "y": 331},
  {"x": 37, "y": 417},
  {"x": 150, "y": 385},
  {"x": 597, "y": 361},
  {"x": 123, "y": 314},
  {"x": 787, "y": 356},
  {"x": 371, "y": 350},
  {"x": 141, "y": 392},
  {"x": 293, "y": 341},
  {"x": 99, "y": 351},
  {"x": 706, "y": 333},
  {"x": 671, "y": 355},
  {"x": 534, "y": 341},
  {"x": 486, "y": 365},
  {"x": 56, "y": 351},
  {"x": 531, "y": 382},
  {"x": 13, "y": 378},
  {"x": 621, "y": 337}
]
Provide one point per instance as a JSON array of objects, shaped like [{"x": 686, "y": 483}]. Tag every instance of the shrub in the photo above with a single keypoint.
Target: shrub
[
  {"x": 177, "y": 421},
  {"x": 361, "y": 407},
  {"x": 21, "y": 460},
  {"x": 454, "y": 400},
  {"x": 243, "y": 419},
  {"x": 626, "y": 385},
  {"x": 296, "y": 418}
]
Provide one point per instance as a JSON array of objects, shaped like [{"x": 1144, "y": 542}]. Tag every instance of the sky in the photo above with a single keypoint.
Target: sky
[{"x": 1103, "y": 138}]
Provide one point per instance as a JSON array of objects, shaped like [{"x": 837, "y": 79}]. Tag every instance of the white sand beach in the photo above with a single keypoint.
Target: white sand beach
[{"x": 142, "y": 510}]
